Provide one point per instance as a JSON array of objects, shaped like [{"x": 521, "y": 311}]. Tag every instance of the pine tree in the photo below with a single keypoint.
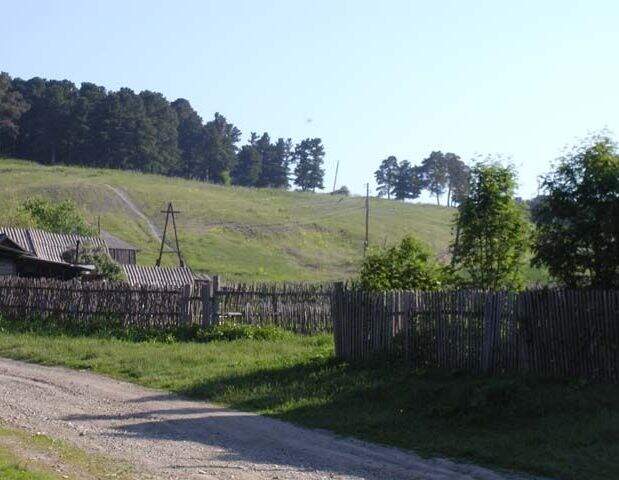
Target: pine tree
[
  {"x": 386, "y": 176},
  {"x": 81, "y": 129},
  {"x": 248, "y": 168},
  {"x": 280, "y": 164},
  {"x": 190, "y": 137},
  {"x": 160, "y": 154},
  {"x": 309, "y": 157},
  {"x": 45, "y": 125},
  {"x": 12, "y": 106},
  {"x": 221, "y": 138}
]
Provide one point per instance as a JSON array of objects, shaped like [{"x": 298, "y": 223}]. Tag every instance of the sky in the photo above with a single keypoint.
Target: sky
[{"x": 518, "y": 79}]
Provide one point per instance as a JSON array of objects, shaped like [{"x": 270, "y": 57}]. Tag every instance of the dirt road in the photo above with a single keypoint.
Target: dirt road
[{"x": 174, "y": 438}]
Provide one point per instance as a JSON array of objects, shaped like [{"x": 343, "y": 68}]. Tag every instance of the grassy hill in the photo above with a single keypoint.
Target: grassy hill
[{"x": 238, "y": 232}]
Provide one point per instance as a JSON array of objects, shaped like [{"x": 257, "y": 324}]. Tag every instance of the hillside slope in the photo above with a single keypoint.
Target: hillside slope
[{"x": 237, "y": 232}]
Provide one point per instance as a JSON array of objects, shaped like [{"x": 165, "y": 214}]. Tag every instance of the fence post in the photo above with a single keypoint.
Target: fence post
[
  {"x": 215, "y": 301},
  {"x": 336, "y": 317},
  {"x": 492, "y": 318},
  {"x": 206, "y": 294},
  {"x": 185, "y": 305}
]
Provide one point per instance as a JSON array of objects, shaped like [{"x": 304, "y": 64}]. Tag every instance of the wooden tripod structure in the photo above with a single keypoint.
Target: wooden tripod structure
[{"x": 170, "y": 212}]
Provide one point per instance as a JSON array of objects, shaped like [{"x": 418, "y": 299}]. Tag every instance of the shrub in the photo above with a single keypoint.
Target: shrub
[
  {"x": 343, "y": 190},
  {"x": 97, "y": 256},
  {"x": 407, "y": 266},
  {"x": 59, "y": 217}
]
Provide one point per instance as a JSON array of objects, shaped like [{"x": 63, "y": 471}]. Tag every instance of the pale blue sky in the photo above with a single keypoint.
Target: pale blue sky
[{"x": 519, "y": 78}]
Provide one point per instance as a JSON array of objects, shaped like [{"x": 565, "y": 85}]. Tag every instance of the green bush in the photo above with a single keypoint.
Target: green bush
[
  {"x": 407, "y": 266},
  {"x": 56, "y": 217},
  {"x": 97, "y": 256}
]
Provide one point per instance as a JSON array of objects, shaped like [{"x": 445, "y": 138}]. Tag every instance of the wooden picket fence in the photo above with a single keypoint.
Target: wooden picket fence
[
  {"x": 148, "y": 307},
  {"x": 547, "y": 332},
  {"x": 302, "y": 308},
  {"x": 299, "y": 307},
  {"x": 561, "y": 333}
]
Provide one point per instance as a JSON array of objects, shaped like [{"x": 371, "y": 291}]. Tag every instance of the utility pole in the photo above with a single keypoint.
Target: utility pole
[
  {"x": 337, "y": 167},
  {"x": 170, "y": 212},
  {"x": 367, "y": 219}
]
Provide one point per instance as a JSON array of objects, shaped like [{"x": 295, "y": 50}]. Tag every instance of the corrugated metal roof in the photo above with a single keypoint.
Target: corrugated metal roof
[
  {"x": 158, "y": 276},
  {"x": 8, "y": 243},
  {"x": 50, "y": 246},
  {"x": 19, "y": 236},
  {"x": 46, "y": 245}
]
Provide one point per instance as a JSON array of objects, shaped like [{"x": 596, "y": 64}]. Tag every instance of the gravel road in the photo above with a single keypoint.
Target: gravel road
[{"x": 174, "y": 438}]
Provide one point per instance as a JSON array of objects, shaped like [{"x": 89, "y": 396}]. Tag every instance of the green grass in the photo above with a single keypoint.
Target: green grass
[
  {"x": 257, "y": 234},
  {"x": 12, "y": 468},
  {"x": 27, "y": 456},
  {"x": 563, "y": 429}
]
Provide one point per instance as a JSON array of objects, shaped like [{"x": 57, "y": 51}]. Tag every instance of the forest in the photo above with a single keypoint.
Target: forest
[{"x": 56, "y": 122}]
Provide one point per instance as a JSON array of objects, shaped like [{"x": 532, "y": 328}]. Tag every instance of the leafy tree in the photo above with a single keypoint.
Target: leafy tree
[
  {"x": 577, "y": 220},
  {"x": 492, "y": 232},
  {"x": 309, "y": 157},
  {"x": 60, "y": 217},
  {"x": 457, "y": 178},
  {"x": 248, "y": 168},
  {"x": 434, "y": 173},
  {"x": 408, "y": 182},
  {"x": 407, "y": 266},
  {"x": 12, "y": 106},
  {"x": 387, "y": 176}
]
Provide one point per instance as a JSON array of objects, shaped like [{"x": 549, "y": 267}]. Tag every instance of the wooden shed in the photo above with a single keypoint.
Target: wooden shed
[{"x": 120, "y": 251}]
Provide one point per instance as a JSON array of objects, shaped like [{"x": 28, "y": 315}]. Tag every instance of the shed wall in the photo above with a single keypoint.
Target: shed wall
[{"x": 7, "y": 267}]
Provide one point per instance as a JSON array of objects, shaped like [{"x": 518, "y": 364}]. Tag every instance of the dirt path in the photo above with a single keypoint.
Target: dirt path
[
  {"x": 154, "y": 230},
  {"x": 181, "y": 439}
]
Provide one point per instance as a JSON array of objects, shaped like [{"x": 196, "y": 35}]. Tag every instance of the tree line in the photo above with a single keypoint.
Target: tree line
[
  {"x": 571, "y": 229},
  {"x": 54, "y": 121},
  {"x": 440, "y": 173}
]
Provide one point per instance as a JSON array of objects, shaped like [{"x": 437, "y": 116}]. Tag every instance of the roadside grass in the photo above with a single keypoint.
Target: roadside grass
[
  {"x": 566, "y": 429},
  {"x": 12, "y": 468},
  {"x": 27, "y": 456}
]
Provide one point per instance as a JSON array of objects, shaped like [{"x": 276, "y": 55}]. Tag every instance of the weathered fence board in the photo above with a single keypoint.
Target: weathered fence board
[
  {"x": 302, "y": 308},
  {"x": 299, "y": 307},
  {"x": 559, "y": 333}
]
